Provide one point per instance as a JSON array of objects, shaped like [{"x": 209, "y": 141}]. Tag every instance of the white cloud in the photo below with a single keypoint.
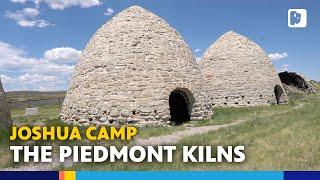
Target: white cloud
[
  {"x": 18, "y": 1},
  {"x": 109, "y": 12},
  {"x": 62, "y": 55},
  {"x": 27, "y": 78},
  {"x": 53, "y": 71},
  {"x": 284, "y": 67},
  {"x": 8, "y": 51},
  {"x": 31, "y": 12},
  {"x": 27, "y": 17},
  {"x": 197, "y": 50},
  {"x": 6, "y": 79},
  {"x": 62, "y": 4},
  {"x": 277, "y": 56},
  {"x": 39, "y": 82}
]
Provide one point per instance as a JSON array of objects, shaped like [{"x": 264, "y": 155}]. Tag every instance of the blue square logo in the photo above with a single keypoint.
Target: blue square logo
[{"x": 297, "y": 18}]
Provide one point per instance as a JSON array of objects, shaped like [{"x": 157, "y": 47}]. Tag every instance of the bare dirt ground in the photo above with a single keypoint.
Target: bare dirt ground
[{"x": 175, "y": 137}]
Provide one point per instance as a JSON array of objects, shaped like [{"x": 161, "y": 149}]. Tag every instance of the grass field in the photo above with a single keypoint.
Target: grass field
[
  {"x": 285, "y": 137},
  {"x": 33, "y": 95}
]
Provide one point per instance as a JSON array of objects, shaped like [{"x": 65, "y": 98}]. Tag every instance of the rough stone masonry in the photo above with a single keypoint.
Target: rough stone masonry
[
  {"x": 137, "y": 69},
  {"x": 237, "y": 72},
  {"x": 5, "y": 117}
]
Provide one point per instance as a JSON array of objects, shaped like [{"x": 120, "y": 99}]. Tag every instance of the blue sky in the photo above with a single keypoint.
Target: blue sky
[{"x": 41, "y": 40}]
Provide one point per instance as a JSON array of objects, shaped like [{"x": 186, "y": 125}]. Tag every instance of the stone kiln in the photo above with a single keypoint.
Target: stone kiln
[
  {"x": 237, "y": 72},
  {"x": 137, "y": 69},
  {"x": 131, "y": 69}
]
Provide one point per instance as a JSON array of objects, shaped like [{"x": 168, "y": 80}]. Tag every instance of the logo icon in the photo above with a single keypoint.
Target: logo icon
[{"x": 297, "y": 18}]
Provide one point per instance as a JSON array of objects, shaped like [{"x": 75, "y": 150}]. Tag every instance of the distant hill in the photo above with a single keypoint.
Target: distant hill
[
  {"x": 33, "y": 95},
  {"x": 316, "y": 85}
]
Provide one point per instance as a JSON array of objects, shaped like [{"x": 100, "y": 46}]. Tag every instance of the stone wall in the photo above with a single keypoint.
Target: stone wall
[
  {"x": 129, "y": 69},
  {"x": 5, "y": 117},
  {"x": 136, "y": 61},
  {"x": 237, "y": 72}
]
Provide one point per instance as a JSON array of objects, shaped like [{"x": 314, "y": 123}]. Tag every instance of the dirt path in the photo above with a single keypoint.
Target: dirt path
[
  {"x": 171, "y": 139},
  {"x": 175, "y": 137}
]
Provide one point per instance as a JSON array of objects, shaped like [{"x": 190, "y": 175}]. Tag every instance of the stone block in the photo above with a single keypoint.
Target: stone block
[{"x": 32, "y": 111}]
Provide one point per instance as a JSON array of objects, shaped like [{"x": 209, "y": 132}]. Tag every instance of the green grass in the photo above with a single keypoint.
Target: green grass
[
  {"x": 285, "y": 137},
  {"x": 6, "y": 157},
  {"x": 47, "y": 115},
  {"x": 33, "y": 95},
  {"x": 316, "y": 85},
  {"x": 287, "y": 141}
]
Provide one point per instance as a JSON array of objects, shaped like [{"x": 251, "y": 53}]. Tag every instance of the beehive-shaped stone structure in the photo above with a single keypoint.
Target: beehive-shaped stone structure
[
  {"x": 5, "y": 117},
  {"x": 135, "y": 69},
  {"x": 237, "y": 72}
]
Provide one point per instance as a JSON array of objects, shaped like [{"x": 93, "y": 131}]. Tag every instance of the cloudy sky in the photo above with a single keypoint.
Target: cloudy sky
[{"x": 41, "y": 40}]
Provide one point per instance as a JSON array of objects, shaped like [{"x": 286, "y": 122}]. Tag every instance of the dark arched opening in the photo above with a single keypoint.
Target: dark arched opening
[
  {"x": 180, "y": 102},
  {"x": 278, "y": 92}
]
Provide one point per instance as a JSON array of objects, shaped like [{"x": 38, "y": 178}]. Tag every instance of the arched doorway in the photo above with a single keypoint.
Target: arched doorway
[
  {"x": 278, "y": 92},
  {"x": 181, "y": 102}
]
